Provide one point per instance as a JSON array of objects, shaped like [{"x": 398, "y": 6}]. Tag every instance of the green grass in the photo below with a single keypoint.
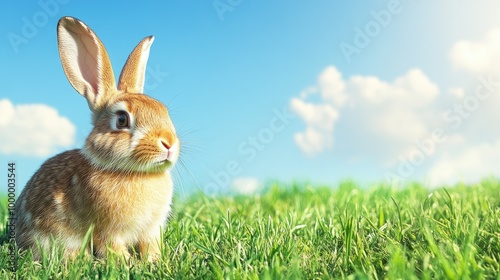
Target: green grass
[{"x": 301, "y": 232}]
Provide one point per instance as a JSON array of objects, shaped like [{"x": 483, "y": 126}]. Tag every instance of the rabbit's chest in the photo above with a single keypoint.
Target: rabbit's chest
[{"x": 132, "y": 202}]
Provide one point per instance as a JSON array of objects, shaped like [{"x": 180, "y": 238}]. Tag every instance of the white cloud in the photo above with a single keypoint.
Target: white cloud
[
  {"x": 457, "y": 93},
  {"x": 469, "y": 166},
  {"x": 33, "y": 129},
  {"x": 480, "y": 57},
  {"x": 332, "y": 87},
  {"x": 245, "y": 185},
  {"x": 320, "y": 120},
  {"x": 377, "y": 112}
]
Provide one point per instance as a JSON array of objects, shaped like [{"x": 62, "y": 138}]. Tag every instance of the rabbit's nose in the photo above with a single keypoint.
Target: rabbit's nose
[{"x": 165, "y": 144}]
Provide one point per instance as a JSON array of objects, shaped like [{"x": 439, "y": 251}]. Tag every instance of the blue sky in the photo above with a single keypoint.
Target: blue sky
[{"x": 225, "y": 68}]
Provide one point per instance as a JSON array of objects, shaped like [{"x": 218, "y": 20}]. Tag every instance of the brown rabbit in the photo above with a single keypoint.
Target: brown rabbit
[{"x": 119, "y": 182}]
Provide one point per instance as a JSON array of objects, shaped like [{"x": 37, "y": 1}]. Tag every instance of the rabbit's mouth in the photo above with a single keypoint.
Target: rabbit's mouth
[{"x": 164, "y": 163}]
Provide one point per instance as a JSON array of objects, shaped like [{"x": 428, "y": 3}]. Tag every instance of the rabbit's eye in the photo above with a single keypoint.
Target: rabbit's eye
[{"x": 122, "y": 121}]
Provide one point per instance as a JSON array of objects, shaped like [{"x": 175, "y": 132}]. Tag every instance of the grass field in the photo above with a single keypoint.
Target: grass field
[{"x": 301, "y": 232}]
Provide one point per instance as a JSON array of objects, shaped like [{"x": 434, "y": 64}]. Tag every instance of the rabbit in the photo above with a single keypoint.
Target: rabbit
[{"x": 119, "y": 183}]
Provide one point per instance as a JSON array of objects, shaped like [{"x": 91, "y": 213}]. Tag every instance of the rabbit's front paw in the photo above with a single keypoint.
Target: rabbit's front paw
[{"x": 149, "y": 250}]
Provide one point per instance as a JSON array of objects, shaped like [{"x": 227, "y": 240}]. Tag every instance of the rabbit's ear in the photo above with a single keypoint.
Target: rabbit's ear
[
  {"x": 134, "y": 72},
  {"x": 85, "y": 62}
]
